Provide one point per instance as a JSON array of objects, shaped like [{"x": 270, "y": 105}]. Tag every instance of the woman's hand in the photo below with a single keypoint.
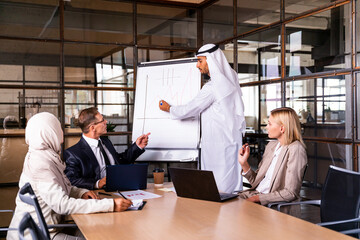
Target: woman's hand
[
  {"x": 121, "y": 204},
  {"x": 243, "y": 156},
  {"x": 254, "y": 199}
]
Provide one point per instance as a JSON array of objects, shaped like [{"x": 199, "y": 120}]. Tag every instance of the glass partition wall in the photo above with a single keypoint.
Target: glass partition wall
[
  {"x": 63, "y": 56},
  {"x": 301, "y": 55}
]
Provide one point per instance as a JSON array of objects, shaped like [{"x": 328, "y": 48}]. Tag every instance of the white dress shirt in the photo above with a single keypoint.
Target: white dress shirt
[
  {"x": 264, "y": 185},
  {"x": 93, "y": 143}
]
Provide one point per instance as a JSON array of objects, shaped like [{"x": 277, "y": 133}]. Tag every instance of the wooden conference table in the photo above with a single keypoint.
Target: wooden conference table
[{"x": 172, "y": 217}]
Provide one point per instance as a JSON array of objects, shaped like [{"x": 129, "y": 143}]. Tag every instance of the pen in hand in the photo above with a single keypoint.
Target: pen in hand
[
  {"x": 122, "y": 195},
  {"x": 243, "y": 149}
]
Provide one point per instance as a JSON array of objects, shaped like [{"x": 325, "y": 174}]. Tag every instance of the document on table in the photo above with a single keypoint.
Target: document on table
[
  {"x": 138, "y": 194},
  {"x": 137, "y": 204}
]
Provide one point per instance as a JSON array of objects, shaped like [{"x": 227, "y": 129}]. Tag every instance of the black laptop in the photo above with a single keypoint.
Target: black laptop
[
  {"x": 126, "y": 177},
  {"x": 198, "y": 184}
]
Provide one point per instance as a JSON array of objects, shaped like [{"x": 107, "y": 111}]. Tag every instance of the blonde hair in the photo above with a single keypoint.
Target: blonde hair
[{"x": 288, "y": 118}]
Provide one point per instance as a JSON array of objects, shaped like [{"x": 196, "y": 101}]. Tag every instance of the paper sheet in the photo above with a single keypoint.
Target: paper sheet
[
  {"x": 176, "y": 83},
  {"x": 295, "y": 41},
  {"x": 272, "y": 68},
  {"x": 138, "y": 194},
  {"x": 167, "y": 133},
  {"x": 169, "y": 155},
  {"x": 294, "y": 66},
  {"x": 136, "y": 204}
]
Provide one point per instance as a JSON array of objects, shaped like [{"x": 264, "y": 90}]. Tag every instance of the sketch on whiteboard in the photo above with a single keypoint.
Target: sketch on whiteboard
[{"x": 178, "y": 84}]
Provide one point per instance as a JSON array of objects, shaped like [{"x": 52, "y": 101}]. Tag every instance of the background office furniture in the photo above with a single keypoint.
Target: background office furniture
[
  {"x": 28, "y": 223},
  {"x": 3, "y": 230},
  {"x": 172, "y": 217},
  {"x": 340, "y": 200},
  {"x": 27, "y": 195},
  {"x": 7, "y": 206},
  {"x": 12, "y": 152}
]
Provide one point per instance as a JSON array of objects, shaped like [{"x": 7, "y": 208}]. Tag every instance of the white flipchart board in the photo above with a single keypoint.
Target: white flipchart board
[{"x": 177, "y": 82}]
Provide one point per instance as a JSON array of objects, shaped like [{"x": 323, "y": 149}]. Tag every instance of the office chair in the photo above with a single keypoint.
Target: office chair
[
  {"x": 352, "y": 232},
  {"x": 27, "y": 195},
  {"x": 28, "y": 223},
  {"x": 340, "y": 201},
  {"x": 6, "y": 229}
]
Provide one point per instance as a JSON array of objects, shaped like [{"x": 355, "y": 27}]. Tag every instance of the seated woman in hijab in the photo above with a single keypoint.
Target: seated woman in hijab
[
  {"x": 279, "y": 175},
  {"x": 44, "y": 170}
]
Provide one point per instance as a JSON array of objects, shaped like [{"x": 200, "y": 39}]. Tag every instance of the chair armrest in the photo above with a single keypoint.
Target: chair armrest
[
  {"x": 274, "y": 203},
  {"x": 62, "y": 226},
  {"x": 352, "y": 231},
  {"x": 310, "y": 202},
  {"x": 8, "y": 229},
  {"x": 7, "y": 211},
  {"x": 323, "y": 224},
  {"x": 49, "y": 226}
]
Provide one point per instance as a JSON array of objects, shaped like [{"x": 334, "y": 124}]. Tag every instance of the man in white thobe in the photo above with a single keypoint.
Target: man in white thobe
[{"x": 222, "y": 118}]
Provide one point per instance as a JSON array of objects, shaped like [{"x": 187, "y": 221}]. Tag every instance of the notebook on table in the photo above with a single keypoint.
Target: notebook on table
[
  {"x": 126, "y": 177},
  {"x": 198, "y": 184}
]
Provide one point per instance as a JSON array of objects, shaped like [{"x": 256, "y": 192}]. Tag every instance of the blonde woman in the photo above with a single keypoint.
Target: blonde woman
[
  {"x": 44, "y": 170},
  {"x": 279, "y": 175}
]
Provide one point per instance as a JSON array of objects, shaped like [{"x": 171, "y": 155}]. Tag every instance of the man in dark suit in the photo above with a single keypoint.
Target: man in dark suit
[{"x": 86, "y": 161}]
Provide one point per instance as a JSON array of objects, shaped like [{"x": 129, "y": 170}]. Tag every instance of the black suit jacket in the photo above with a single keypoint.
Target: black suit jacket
[{"x": 83, "y": 169}]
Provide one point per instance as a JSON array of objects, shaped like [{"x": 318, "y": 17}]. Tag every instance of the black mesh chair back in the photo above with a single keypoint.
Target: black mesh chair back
[
  {"x": 340, "y": 198},
  {"x": 27, "y": 195},
  {"x": 27, "y": 223}
]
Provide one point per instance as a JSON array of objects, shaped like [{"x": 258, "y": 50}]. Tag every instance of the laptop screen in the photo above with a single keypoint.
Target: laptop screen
[
  {"x": 126, "y": 177},
  {"x": 192, "y": 183},
  {"x": 198, "y": 184}
]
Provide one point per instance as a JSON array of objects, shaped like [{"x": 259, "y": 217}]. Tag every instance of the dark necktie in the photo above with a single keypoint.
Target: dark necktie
[{"x": 107, "y": 162}]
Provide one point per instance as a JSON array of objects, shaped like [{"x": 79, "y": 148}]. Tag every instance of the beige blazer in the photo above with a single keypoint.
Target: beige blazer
[{"x": 287, "y": 177}]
